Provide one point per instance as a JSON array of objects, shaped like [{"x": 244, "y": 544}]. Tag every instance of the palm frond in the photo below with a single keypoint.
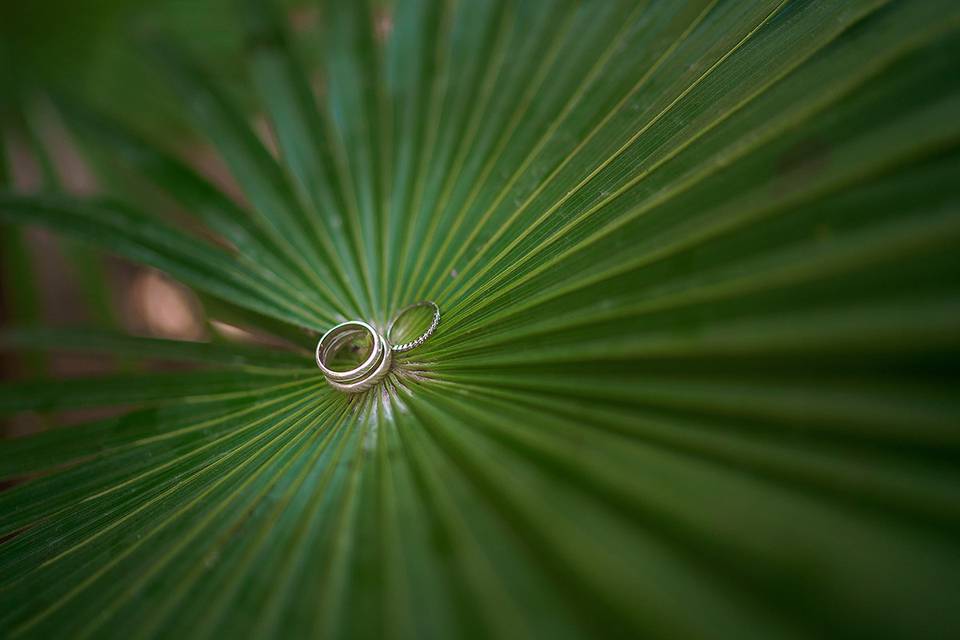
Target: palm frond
[{"x": 696, "y": 370}]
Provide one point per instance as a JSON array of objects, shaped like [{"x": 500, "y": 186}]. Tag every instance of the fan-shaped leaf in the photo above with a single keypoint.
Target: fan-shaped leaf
[{"x": 696, "y": 368}]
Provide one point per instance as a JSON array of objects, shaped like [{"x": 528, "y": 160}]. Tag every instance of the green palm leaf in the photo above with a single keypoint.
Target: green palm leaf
[{"x": 696, "y": 372}]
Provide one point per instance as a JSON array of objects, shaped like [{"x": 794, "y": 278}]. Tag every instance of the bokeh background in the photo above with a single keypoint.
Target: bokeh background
[{"x": 90, "y": 51}]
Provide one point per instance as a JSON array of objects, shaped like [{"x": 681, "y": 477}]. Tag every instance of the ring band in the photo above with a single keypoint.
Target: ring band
[
  {"x": 335, "y": 337},
  {"x": 413, "y": 344},
  {"x": 366, "y": 381}
]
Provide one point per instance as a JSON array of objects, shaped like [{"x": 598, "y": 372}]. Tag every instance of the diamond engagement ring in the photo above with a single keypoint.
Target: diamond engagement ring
[{"x": 413, "y": 344}]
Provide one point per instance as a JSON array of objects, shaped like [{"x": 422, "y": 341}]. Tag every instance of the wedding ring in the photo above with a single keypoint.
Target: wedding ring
[
  {"x": 377, "y": 363},
  {"x": 413, "y": 344},
  {"x": 364, "y": 382},
  {"x": 367, "y": 373},
  {"x": 335, "y": 337}
]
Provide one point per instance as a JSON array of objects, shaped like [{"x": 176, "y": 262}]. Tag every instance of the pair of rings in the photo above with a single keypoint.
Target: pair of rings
[{"x": 378, "y": 362}]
